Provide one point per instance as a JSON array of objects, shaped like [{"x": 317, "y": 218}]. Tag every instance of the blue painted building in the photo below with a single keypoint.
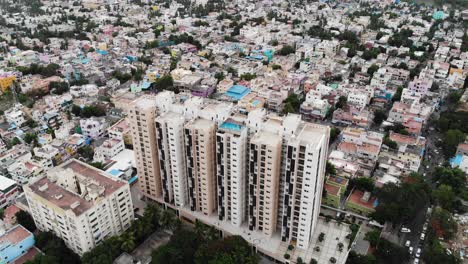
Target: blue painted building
[
  {"x": 237, "y": 92},
  {"x": 15, "y": 243}
]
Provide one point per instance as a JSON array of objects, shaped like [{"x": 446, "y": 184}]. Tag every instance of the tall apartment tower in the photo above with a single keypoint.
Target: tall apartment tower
[
  {"x": 141, "y": 116},
  {"x": 81, "y": 204},
  {"x": 231, "y": 155},
  {"x": 200, "y": 151},
  {"x": 304, "y": 164},
  {"x": 170, "y": 142},
  {"x": 263, "y": 183}
]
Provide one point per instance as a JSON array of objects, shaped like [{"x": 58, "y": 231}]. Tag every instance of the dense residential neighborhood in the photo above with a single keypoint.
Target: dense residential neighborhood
[{"x": 242, "y": 131}]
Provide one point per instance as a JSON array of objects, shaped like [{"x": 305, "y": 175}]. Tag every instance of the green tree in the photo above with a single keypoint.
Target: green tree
[
  {"x": 164, "y": 83},
  {"x": 25, "y": 219},
  {"x": 342, "y": 102},
  {"x": 330, "y": 169},
  {"x": 334, "y": 133},
  {"x": 443, "y": 224},
  {"x": 286, "y": 50},
  {"x": 389, "y": 253},
  {"x": 362, "y": 183},
  {"x": 434, "y": 253},
  {"x": 76, "y": 110},
  {"x": 444, "y": 196},
  {"x": 231, "y": 250},
  {"x": 373, "y": 68},
  {"x": 401, "y": 202},
  {"x": 55, "y": 250},
  {"x": 390, "y": 143},
  {"x": 291, "y": 104},
  {"x": 373, "y": 237},
  {"x": 397, "y": 96},
  {"x": 128, "y": 243},
  {"x": 219, "y": 76},
  {"x": 354, "y": 258},
  {"x": 379, "y": 116},
  {"x": 87, "y": 152},
  {"x": 453, "y": 177},
  {"x": 452, "y": 138},
  {"x": 248, "y": 76},
  {"x": 30, "y": 138}
]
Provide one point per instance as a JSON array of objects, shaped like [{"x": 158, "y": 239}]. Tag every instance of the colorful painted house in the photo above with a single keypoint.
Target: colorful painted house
[
  {"x": 335, "y": 187},
  {"x": 14, "y": 243},
  {"x": 438, "y": 15},
  {"x": 6, "y": 80}
]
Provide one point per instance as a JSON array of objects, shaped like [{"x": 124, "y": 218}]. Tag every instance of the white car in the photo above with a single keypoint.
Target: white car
[
  {"x": 405, "y": 230},
  {"x": 407, "y": 244},
  {"x": 423, "y": 236},
  {"x": 410, "y": 250},
  {"x": 418, "y": 252},
  {"x": 416, "y": 261}
]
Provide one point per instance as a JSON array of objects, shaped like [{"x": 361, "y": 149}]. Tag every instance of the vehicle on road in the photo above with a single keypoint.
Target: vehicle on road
[
  {"x": 405, "y": 230},
  {"x": 429, "y": 210},
  {"x": 418, "y": 252},
  {"x": 407, "y": 244}
]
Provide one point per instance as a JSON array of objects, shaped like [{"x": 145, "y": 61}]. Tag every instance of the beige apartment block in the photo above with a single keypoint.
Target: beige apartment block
[
  {"x": 80, "y": 204},
  {"x": 264, "y": 175},
  {"x": 200, "y": 144},
  {"x": 142, "y": 113}
]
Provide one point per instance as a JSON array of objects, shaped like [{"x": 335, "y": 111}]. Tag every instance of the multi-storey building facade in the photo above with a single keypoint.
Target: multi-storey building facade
[
  {"x": 170, "y": 140},
  {"x": 304, "y": 166},
  {"x": 141, "y": 116},
  {"x": 80, "y": 204},
  {"x": 245, "y": 174},
  {"x": 231, "y": 151},
  {"x": 263, "y": 185},
  {"x": 201, "y": 164}
]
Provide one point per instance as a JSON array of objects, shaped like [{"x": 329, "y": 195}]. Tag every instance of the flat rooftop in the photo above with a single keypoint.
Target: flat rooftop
[
  {"x": 6, "y": 184},
  {"x": 68, "y": 200},
  {"x": 15, "y": 235},
  {"x": 232, "y": 126},
  {"x": 266, "y": 138},
  {"x": 237, "y": 92},
  {"x": 201, "y": 124}
]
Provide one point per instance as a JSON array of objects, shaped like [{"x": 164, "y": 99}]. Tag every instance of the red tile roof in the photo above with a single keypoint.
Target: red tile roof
[
  {"x": 356, "y": 196},
  {"x": 15, "y": 235},
  {"x": 28, "y": 256}
]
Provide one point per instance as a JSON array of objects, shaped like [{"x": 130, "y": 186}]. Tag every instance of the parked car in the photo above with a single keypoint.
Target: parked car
[
  {"x": 407, "y": 244},
  {"x": 410, "y": 250},
  {"x": 423, "y": 236},
  {"x": 405, "y": 230},
  {"x": 418, "y": 252},
  {"x": 416, "y": 261},
  {"x": 424, "y": 227}
]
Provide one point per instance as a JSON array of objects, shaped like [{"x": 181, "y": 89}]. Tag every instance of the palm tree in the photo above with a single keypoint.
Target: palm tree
[{"x": 128, "y": 242}]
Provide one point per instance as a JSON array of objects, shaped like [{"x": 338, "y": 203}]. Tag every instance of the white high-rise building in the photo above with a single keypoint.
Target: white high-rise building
[
  {"x": 304, "y": 167},
  {"x": 231, "y": 162},
  {"x": 80, "y": 204},
  {"x": 170, "y": 141},
  {"x": 251, "y": 175}
]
